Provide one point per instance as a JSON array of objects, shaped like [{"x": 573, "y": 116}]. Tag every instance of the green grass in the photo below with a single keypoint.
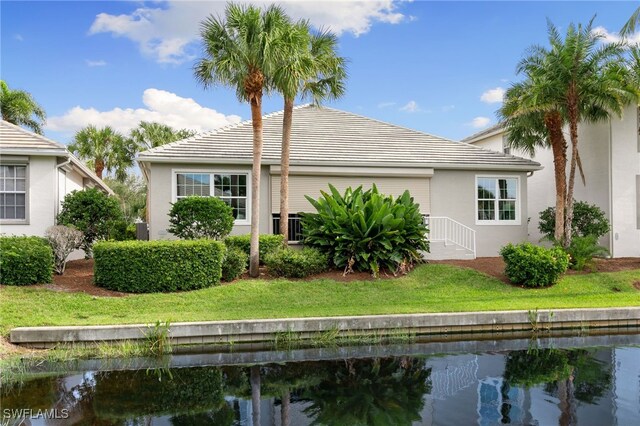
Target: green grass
[{"x": 429, "y": 288}]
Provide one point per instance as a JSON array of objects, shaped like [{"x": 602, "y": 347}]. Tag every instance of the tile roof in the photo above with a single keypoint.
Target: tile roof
[
  {"x": 496, "y": 128},
  {"x": 15, "y": 138},
  {"x": 326, "y": 136}
]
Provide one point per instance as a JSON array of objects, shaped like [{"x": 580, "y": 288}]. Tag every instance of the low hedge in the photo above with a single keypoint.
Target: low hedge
[
  {"x": 268, "y": 244},
  {"x": 534, "y": 266},
  {"x": 234, "y": 264},
  {"x": 292, "y": 263},
  {"x": 158, "y": 266},
  {"x": 25, "y": 260}
]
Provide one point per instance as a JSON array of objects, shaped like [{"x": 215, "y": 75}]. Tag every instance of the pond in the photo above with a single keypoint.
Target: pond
[{"x": 588, "y": 380}]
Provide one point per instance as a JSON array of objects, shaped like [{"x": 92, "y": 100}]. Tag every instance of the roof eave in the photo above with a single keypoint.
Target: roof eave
[{"x": 33, "y": 151}]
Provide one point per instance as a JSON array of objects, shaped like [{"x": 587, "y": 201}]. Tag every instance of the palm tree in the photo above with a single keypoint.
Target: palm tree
[
  {"x": 242, "y": 52},
  {"x": 19, "y": 107},
  {"x": 312, "y": 69},
  {"x": 630, "y": 26},
  {"x": 150, "y": 134},
  {"x": 105, "y": 148}
]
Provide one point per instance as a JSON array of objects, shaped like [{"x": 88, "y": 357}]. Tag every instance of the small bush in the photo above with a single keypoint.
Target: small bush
[
  {"x": 92, "y": 212},
  {"x": 534, "y": 266},
  {"x": 25, "y": 260},
  {"x": 234, "y": 264},
  {"x": 268, "y": 244},
  {"x": 158, "y": 266},
  {"x": 366, "y": 230},
  {"x": 63, "y": 241},
  {"x": 588, "y": 219},
  {"x": 291, "y": 263},
  {"x": 122, "y": 231},
  {"x": 582, "y": 250},
  {"x": 200, "y": 217}
]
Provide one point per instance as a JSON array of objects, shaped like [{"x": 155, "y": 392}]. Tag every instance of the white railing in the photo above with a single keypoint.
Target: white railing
[{"x": 451, "y": 232}]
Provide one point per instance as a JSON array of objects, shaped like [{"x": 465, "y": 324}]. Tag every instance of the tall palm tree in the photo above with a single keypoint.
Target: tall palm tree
[
  {"x": 19, "y": 107},
  {"x": 630, "y": 26},
  {"x": 150, "y": 134},
  {"x": 105, "y": 148},
  {"x": 241, "y": 51},
  {"x": 313, "y": 69}
]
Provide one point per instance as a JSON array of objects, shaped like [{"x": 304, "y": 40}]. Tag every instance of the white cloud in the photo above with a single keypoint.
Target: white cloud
[
  {"x": 99, "y": 63},
  {"x": 168, "y": 33},
  {"x": 493, "y": 96},
  {"x": 479, "y": 122},
  {"x": 386, "y": 104},
  {"x": 161, "y": 106},
  {"x": 18, "y": 37},
  {"x": 411, "y": 106},
  {"x": 612, "y": 37}
]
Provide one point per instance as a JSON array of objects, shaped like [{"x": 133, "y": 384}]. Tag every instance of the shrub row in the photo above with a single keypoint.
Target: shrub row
[
  {"x": 25, "y": 260},
  {"x": 291, "y": 263},
  {"x": 158, "y": 266},
  {"x": 534, "y": 266},
  {"x": 268, "y": 244}
]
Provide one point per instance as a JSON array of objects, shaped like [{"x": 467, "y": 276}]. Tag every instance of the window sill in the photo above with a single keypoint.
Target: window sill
[
  {"x": 14, "y": 222},
  {"x": 498, "y": 222}
]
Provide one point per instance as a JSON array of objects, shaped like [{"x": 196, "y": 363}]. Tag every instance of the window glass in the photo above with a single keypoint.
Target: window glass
[
  {"x": 497, "y": 199},
  {"x": 230, "y": 188},
  {"x": 13, "y": 192}
]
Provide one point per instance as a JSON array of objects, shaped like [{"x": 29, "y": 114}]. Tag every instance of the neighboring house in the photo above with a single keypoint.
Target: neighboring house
[
  {"x": 345, "y": 149},
  {"x": 35, "y": 175},
  {"x": 610, "y": 154}
]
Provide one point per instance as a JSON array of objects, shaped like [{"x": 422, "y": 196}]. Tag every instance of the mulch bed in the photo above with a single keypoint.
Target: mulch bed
[{"x": 78, "y": 276}]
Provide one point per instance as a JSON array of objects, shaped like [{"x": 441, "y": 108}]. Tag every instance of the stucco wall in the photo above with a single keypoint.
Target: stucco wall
[
  {"x": 41, "y": 195},
  {"x": 161, "y": 196},
  {"x": 453, "y": 194}
]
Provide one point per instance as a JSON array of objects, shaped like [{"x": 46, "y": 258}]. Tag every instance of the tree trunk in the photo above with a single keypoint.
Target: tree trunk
[
  {"x": 284, "y": 169},
  {"x": 256, "y": 117},
  {"x": 99, "y": 167},
  {"x": 255, "y": 394},
  {"x": 573, "y": 132},
  {"x": 553, "y": 122},
  {"x": 284, "y": 408}
]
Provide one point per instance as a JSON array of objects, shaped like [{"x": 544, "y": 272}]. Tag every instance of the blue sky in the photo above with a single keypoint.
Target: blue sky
[{"x": 438, "y": 67}]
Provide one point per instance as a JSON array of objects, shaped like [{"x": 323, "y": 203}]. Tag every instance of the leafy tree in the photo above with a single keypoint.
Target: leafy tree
[
  {"x": 105, "y": 148},
  {"x": 150, "y": 134},
  {"x": 589, "y": 219},
  {"x": 132, "y": 196},
  {"x": 242, "y": 51},
  {"x": 92, "y": 212},
  {"x": 311, "y": 69},
  {"x": 200, "y": 217},
  {"x": 19, "y": 107}
]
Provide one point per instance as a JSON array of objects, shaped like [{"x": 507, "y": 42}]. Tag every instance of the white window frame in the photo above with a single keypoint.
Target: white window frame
[
  {"x": 27, "y": 191},
  {"x": 497, "y": 221},
  {"x": 174, "y": 186}
]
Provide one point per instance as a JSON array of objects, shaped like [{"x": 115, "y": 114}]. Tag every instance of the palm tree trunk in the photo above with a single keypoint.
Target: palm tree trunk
[
  {"x": 285, "y": 408},
  {"x": 255, "y": 394},
  {"x": 99, "y": 167},
  {"x": 553, "y": 122},
  {"x": 573, "y": 132},
  {"x": 284, "y": 169},
  {"x": 256, "y": 117}
]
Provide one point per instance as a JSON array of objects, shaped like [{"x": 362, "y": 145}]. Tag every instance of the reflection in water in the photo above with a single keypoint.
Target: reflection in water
[{"x": 539, "y": 386}]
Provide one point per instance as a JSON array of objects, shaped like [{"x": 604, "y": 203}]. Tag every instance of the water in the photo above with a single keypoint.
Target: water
[{"x": 548, "y": 381}]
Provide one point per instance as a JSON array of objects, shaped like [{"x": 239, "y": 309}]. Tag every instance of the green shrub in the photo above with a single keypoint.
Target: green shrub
[
  {"x": 122, "y": 231},
  {"x": 582, "y": 250},
  {"x": 93, "y": 213},
  {"x": 234, "y": 264},
  {"x": 534, "y": 266},
  {"x": 25, "y": 260},
  {"x": 200, "y": 217},
  {"x": 293, "y": 263},
  {"x": 366, "y": 230},
  {"x": 158, "y": 266},
  {"x": 268, "y": 244},
  {"x": 588, "y": 219}
]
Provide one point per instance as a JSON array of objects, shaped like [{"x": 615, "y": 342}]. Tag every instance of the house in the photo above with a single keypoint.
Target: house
[
  {"x": 344, "y": 149},
  {"x": 35, "y": 175},
  {"x": 610, "y": 155}
]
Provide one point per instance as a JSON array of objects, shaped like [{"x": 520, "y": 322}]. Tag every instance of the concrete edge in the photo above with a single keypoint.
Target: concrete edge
[{"x": 267, "y": 329}]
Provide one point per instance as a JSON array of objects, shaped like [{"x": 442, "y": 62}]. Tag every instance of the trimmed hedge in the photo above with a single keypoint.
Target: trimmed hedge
[
  {"x": 25, "y": 260},
  {"x": 158, "y": 266},
  {"x": 234, "y": 264},
  {"x": 291, "y": 263},
  {"x": 268, "y": 244},
  {"x": 534, "y": 266}
]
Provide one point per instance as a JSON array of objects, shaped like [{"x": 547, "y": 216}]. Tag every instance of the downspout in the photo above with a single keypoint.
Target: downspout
[{"x": 57, "y": 187}]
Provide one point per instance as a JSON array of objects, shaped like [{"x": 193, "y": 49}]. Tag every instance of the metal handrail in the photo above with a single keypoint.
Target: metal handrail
[{"x": 442, "y": 228}]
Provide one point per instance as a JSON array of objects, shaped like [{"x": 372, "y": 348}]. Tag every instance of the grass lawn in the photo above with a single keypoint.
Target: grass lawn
[{"x": 429, "y": 288}]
